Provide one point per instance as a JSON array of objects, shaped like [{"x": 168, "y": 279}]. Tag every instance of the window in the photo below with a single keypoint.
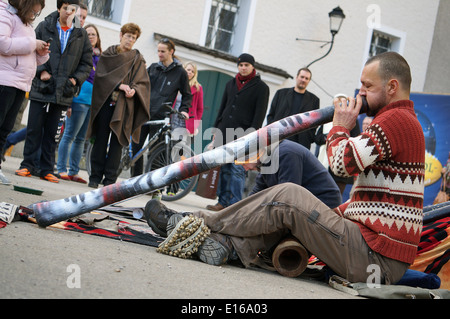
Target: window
[
  {"x": 114, "y": 11},
  {"x": 380, "y": 43},
  {"x": 101, "y": 9},
  {"x": 221, "y": 26}
]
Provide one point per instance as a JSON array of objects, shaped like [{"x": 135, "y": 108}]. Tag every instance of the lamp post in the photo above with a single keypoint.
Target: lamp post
[{"x": 337, "y": 17}]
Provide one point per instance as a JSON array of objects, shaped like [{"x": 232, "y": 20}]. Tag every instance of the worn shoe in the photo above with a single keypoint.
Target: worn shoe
[
  {"x": 3, "y": 179},
  {"x": 93, "y": 185},
  {"x": 24, "y": 172},
  {"x": 173, "y": 221},
  {"x": 217, "y": 208},
  {"x": 77, "y": 179},
  {"x": 63, "y": 176},
  {"x": 157, "y": 216},
  {"x": 215, "y": 250},
  {"x": 50, "y": 178}
]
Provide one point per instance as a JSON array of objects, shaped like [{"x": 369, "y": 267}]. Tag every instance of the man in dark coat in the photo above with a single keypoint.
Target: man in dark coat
[
  {"x": 290, "y": 162},
  {"x": 243, "y": 108},
  {"x": 55, "y": 85},
  {"x": 290, "y": 101}
]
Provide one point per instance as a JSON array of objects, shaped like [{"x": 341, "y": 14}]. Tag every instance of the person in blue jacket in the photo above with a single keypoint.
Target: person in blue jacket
[
  {"x": 290, "y": 162},
  {"x": 71, "y": 146}
]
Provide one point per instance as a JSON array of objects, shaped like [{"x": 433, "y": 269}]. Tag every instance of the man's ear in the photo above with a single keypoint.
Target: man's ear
[{"x": 393, "y": 87}]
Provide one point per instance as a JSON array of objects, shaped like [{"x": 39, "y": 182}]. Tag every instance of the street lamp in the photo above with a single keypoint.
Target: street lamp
[{"x": 337, "y": 17}]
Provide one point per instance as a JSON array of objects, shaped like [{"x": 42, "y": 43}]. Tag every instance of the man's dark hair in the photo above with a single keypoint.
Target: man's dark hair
[
  {"x": 60, "y": 3},
  {"x": 393, "y": 65},
  {"x": 304, "y": 69}
]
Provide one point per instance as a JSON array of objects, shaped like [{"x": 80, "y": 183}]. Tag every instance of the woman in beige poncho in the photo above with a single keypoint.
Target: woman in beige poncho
[{"x": 120, "y": 105}]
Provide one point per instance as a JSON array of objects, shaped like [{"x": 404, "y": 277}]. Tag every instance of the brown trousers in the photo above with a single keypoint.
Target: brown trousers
[{"x": 260, "y": 222}]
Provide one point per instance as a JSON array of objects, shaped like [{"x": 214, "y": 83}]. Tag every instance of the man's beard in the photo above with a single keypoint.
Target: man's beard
[{"x": 375, "y": 107}]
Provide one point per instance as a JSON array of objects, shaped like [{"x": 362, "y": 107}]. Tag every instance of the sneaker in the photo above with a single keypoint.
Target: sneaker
[
  {"x": 63, "y": 176},
  {"x": 3, "y": 179},
  {"x": 93, "y": 185},
  {"x": 50, "y": 178},
  {"x": 24, "y": 172},
  {"x": 157, "y": 216},
  {"x": 173, "y": 222},
  {"x": 215, "y": 250},
  {"x": 77, "y": 179}
]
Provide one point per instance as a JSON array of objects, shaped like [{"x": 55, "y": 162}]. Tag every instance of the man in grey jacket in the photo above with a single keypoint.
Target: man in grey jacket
[{"x": 55, "y": 85}]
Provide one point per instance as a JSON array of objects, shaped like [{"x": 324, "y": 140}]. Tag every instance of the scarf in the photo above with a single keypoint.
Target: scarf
[{"x": 241, "y": 81}]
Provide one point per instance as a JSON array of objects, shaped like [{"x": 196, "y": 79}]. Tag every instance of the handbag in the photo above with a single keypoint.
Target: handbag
[
  {"x": 208, "y": 183},
  {"x": 442, "y": 196}
]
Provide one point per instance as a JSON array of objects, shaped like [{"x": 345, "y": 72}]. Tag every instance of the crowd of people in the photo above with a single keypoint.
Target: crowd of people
[
  {"x": 78, "y": 84},
  {"x": 70, "y": 79}
]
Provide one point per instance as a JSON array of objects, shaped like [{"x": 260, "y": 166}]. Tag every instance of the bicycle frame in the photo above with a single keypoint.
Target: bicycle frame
[
  {"x": 165, "y": 129},
  {"x": 149, "y": 142}
]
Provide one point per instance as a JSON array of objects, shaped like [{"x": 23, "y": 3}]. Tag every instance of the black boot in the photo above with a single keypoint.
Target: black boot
[{"x": 157, "y": 216}]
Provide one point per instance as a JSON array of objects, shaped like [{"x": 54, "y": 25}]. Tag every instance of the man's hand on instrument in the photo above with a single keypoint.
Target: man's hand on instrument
[{"x": 346, "y": 111}]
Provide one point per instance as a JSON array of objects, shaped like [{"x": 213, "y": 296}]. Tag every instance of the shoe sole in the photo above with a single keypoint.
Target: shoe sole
[
  {"x": 77, "y": 180},
  {"x": 173, "y": 222},
  {"x": 23, "y": 175},
  {"x": 50, "y": 180},
  {"x": 148, "y": 208},
  {"x": 213, "y": 252}
]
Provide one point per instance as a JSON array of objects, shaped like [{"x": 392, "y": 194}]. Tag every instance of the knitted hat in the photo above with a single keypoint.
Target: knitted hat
[{"x": 245, "y": 57}]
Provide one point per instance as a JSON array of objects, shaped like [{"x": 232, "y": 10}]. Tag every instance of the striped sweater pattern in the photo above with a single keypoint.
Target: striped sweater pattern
[{"x": 389, "y": 162}]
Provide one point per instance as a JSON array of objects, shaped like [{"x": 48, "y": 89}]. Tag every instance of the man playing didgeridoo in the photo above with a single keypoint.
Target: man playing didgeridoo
[{"x": 382, "y": 222}]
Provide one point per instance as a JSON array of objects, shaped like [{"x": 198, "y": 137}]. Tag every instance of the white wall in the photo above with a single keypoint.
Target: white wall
[{"x": 277, "y": 24}]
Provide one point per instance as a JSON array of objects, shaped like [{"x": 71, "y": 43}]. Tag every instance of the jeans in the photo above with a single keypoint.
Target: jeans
[
  {"x": 11, "y": 100},
  {"x": 231, "y": 184},
  {"x": 259, "y": 222},
  {"x": 71, "y": 147}
]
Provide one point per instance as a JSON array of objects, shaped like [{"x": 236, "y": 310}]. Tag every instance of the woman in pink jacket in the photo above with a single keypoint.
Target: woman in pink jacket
[
  {"x": 196, "y": 110},
  {"x": 20, "y": 54}
]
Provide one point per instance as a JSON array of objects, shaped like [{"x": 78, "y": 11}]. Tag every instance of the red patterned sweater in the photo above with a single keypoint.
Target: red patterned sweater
[{"x": 389, "y": 161}]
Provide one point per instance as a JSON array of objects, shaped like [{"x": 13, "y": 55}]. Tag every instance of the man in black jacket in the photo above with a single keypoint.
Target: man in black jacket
[
  {"x": 167, "y": 79},
  {"x": 287, "y": 102},
  {"x": 54, "y": 86},
  {"x": 243, "y": 108}
]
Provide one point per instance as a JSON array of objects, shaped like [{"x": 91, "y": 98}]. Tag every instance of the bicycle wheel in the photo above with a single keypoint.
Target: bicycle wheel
[{"x": 158, "y": 159}]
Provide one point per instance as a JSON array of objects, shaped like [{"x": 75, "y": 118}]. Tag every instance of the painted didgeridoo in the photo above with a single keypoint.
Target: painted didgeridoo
[{"x": 52, "y": 212}]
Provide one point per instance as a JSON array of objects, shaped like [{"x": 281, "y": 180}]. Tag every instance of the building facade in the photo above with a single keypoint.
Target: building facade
[{"x": 212, "y": 33}]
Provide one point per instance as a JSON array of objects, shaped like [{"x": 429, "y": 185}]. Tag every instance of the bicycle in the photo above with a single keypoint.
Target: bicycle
[{"x": 162, "y": 151}]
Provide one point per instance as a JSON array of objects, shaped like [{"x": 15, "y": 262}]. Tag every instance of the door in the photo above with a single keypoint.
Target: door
[{"x": 213, "y": 83}]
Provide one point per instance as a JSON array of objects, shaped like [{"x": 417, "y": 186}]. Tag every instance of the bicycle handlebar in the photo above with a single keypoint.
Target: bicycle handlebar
[
  {"x": 171, "y": 111},
  {"x": 168, "y": 105}
]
